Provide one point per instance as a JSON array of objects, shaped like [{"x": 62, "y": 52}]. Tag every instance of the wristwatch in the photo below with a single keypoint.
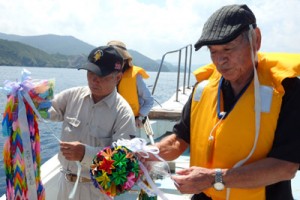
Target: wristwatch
[{"x": 218, "y": 184}]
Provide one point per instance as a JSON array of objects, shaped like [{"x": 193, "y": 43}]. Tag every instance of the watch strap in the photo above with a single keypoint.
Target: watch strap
[
  {"x": 218, "y": 184},
  {"x": 219, "y": 175}
]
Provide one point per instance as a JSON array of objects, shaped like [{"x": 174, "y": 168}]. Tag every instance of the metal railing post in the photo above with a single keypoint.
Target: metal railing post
[
  {"x": 178, "y": 75},
  {"x": 184, "y": 75},
  {"x": 190, "y": 66},
  {"x": 178, "y": 70}
]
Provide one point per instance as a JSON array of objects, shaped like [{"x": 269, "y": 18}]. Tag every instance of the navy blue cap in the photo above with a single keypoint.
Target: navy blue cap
[{"x": 103, "y": 61}]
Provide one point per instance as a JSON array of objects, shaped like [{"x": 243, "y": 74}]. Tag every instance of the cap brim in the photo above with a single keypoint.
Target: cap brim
[
  {"x": 125, "y": 54},
  {"x": 93, "y": 68},
  {"x": 128, "y": 57},
  {"x": 209, "y": 39}
]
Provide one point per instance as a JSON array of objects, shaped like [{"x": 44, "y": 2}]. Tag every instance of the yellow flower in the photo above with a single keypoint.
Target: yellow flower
[
  {"x": 103, "y": 180},
  {"x": 112, "y": 190}
]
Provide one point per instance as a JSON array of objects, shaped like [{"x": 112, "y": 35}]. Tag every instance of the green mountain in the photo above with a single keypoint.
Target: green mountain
[
  {"x": 143, "y": 61},
  {"x": 52, "y": 44},
  {"x": 57, "y": 51},
  {"x": 18, "y": 54}
]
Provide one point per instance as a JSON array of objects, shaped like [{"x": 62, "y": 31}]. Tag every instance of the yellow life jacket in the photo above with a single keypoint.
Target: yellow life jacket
[
  {"x": 128, "y": 87},
  {"x": 234, "y": 136}
]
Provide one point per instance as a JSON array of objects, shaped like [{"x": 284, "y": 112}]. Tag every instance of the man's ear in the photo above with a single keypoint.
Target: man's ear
[
  {"x": 258, "y": 38},
  {"x": 119, "y": 76}
]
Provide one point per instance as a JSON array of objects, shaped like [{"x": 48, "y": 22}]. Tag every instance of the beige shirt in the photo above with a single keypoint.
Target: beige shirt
[{"x": 96, "y": 125}]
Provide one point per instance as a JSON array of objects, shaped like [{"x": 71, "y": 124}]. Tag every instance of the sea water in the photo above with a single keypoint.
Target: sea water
[{"x": 66, "y": 78}]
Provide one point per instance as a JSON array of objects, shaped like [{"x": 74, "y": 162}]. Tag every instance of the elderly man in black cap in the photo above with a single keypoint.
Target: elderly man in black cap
[
  {"x": 93, "y": 117},
  {"x": 241, "y": 120}
]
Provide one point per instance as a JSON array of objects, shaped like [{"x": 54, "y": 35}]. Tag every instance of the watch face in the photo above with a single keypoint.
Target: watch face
[{"x": 219, "y": 186}]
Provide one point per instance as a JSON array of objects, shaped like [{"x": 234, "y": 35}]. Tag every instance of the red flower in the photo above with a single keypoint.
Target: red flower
[{"x": 107, "y": 165}]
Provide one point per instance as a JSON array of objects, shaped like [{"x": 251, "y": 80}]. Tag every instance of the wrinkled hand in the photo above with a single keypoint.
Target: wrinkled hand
[
  {"x": 73, "y": 151},
  {"x": 193, "y": 180}
]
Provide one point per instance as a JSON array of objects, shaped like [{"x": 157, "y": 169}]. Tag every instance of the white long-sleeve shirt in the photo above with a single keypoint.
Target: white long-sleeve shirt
[{"x": 95, "y": 125}]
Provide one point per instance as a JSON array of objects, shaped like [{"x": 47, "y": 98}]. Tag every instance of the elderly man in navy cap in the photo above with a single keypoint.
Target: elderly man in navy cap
[
  {"x": 241, "y": 120},
  {"x": 93, "y": 117}
]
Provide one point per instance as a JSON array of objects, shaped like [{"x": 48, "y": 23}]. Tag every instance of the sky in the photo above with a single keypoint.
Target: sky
[{"x": 151, "y": 27}]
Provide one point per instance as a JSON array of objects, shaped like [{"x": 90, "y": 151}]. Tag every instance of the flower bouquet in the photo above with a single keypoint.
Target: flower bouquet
[{"x": 115, "y": 170}]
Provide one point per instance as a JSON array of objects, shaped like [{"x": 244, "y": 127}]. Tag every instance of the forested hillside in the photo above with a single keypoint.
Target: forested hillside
[{"x": 18, "y": 54}]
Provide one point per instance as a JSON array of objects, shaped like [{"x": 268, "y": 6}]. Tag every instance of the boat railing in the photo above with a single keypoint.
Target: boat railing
[{"x": 188, "y": 54}]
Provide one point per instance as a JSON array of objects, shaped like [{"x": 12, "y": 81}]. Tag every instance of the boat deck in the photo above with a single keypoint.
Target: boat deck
[{"x": 166, "y": 185}]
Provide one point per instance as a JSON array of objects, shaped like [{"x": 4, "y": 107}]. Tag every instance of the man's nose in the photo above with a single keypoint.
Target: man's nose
[
  {"x": 96, "y": 79},
  {"x": 221, "y": 59}
]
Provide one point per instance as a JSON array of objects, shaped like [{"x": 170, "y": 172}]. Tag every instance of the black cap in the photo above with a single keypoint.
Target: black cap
[
  {"x": 103, "y": 61},
  {"x": 225, "y": 25}
]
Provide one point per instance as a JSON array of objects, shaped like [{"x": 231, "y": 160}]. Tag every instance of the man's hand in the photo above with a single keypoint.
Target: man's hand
[
  {"x": 138, "y": 123},
  {"x": 194, "y": 180},
  {"x": 73, "y": 151}
]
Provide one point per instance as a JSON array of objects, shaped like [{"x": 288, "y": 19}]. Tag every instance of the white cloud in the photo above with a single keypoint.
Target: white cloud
[{"x": 151, "y": 27}]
